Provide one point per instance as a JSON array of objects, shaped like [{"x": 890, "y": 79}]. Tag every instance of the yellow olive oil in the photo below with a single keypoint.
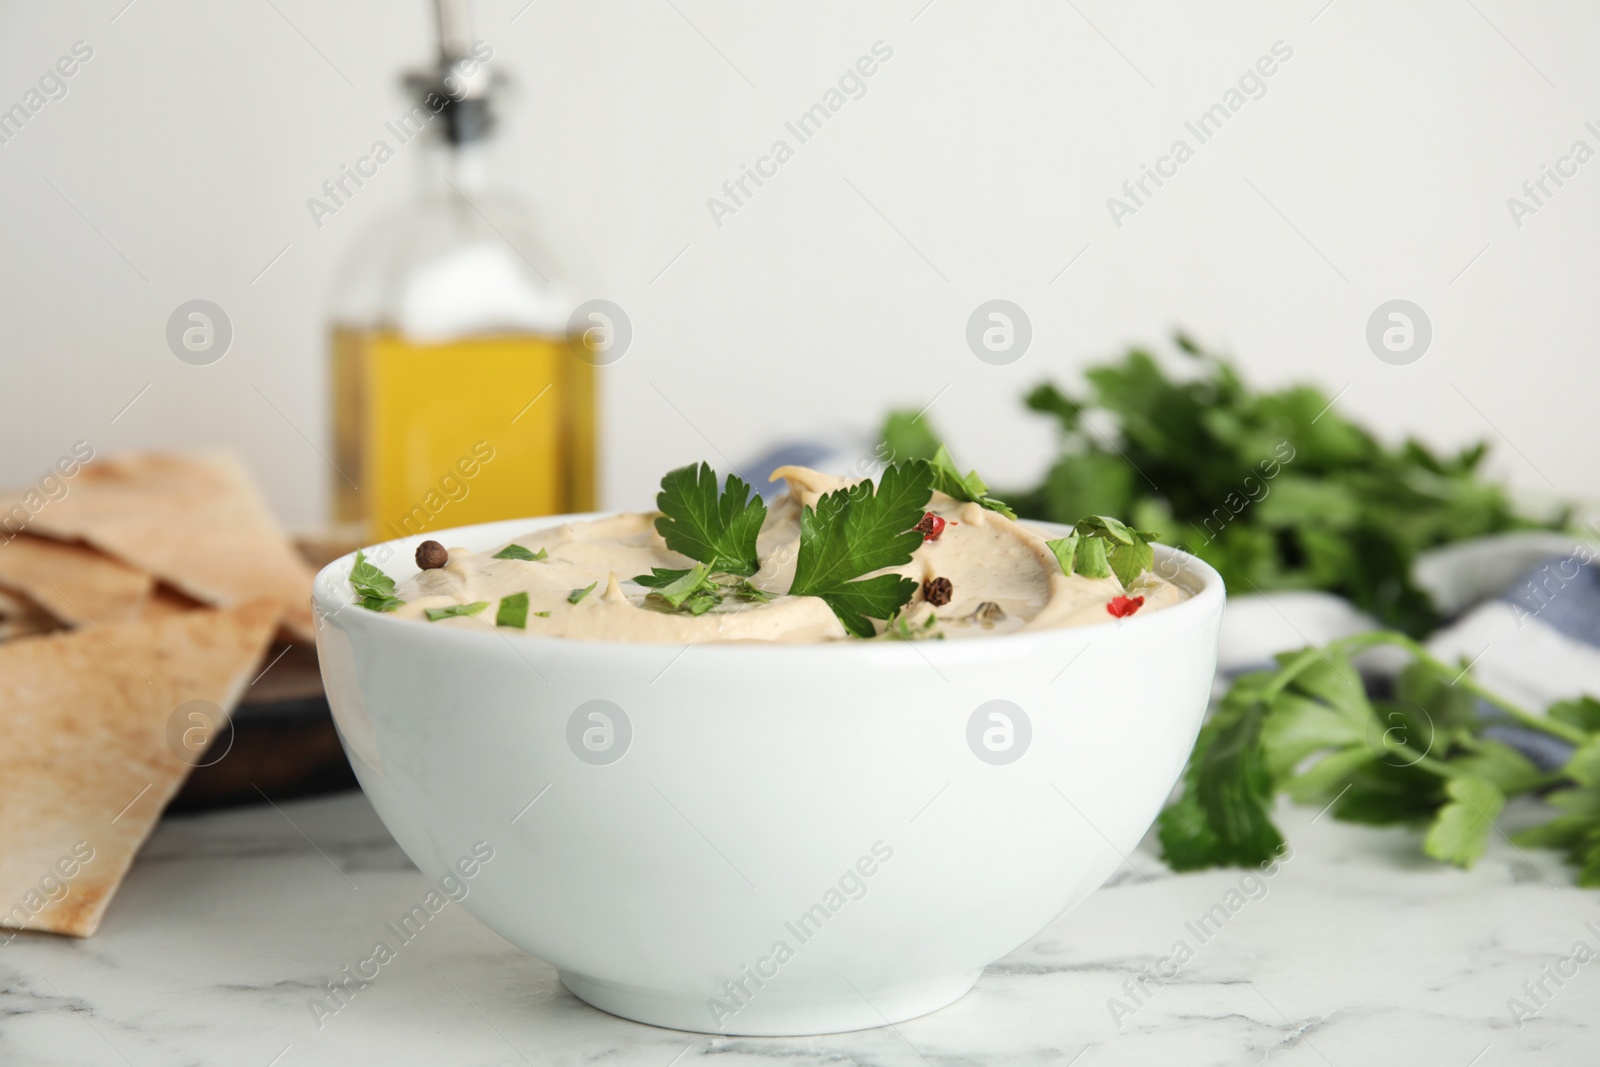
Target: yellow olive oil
[{"x": 429, "y": 436}]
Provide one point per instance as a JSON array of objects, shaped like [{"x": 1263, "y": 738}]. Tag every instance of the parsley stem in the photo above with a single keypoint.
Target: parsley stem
[
  {"x": 1423, "y": 761},
  {"x": 1291, "y": 670},
  {"x": 1544, "y": 724}
]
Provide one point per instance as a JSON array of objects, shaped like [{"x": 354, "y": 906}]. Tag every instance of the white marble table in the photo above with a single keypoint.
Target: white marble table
[{"x": 1358, "y": 952}]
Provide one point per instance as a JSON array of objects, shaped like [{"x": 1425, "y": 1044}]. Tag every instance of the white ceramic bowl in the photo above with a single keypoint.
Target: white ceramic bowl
[{"x": 757, "y": 839}]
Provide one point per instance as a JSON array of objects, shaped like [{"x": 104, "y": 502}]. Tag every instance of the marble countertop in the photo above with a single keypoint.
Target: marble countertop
[{"x": 1357, "y": 951}]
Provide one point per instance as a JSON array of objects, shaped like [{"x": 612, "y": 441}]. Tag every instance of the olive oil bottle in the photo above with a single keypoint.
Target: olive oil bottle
[{"x": 459, "y": 393}]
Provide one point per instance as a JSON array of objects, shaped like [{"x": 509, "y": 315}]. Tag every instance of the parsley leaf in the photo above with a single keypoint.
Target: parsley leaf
[
  {"x": 542, "y": 614},
  {"x": 675, "y": 586},
  {"x": 1223, "y": 817},
  {"x": 513, "y": 611},
  {"x": 1101, "y": 546},
  {"x": 578, "y": 594},
  {"x": 374, "y": 589},
  {"x": 663, "y": 576},
  {"x": 1583, "y": 713},
  {"x": 518, "y": 552},
  {"x": 1460, "y": 831},
  {"x": 855, "y": 531},
  {"x": 456, "y": 610},
  {"x": 1386, "y": 792},
  {"x": 696, "y": 590},
  {"x": 719, "y": 531},
  {"x": 906, "y": 436},
  {"x": 948, "y": 480},
  {"x": 1576, "y": 830}
]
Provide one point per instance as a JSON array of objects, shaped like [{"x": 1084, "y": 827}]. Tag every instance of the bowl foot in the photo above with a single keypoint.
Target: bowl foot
[{"x": 773, "y": 1012}]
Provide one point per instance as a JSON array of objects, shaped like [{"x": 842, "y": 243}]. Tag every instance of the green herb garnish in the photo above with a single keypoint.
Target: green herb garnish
[
  {"x": 455, "y": 611},
  {"x": 948, "y": 480},
  {"x": 855, "y": 531},
  {"x": 899, "y": 629},
  {"x": 374, "y": 589},
  {"x": 513, "y": 611},
  {"x": 677, "y": 588},
  {"x": 696, "y": 590},
  {"x": 518, "y": 552},
  {"x": 718, "y": 531},
  {"x": 1100, "y": 546},
  {"x": 1308, "y": 729},
  {"x": 542, "y": 614},
  {"x": 578, "y": 594}
]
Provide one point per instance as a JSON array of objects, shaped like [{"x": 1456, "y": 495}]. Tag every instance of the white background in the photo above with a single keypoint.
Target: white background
[{"x": 978, "y": 165}]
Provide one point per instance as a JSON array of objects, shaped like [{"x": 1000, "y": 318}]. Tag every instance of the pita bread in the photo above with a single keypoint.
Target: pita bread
[
  {"x": 89, "y": 764},
  {"x": 194, "y": 521},
  {"x": 75, "y": 584}
]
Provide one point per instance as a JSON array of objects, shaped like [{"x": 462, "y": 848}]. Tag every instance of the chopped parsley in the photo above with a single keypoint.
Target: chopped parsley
[
  {"x": 578, "y": 594},
  {"x": 455, "y": 611},
  {"x": 898, "y": 629},
  {"x": 949, "y": 480},
  {"x": 513, "y": 611},
  {"x": 855, "y": 531},
  {"x": 542, "y": 614},
  {"x": 696, "y": 590},
  {"x": 374, "y": 589},
  {"x": 689, "y": 590},
  {"x": 1100, "y": 546},
  {"x": 718, "y": 531},
  {"x": 518, "y": 552}
]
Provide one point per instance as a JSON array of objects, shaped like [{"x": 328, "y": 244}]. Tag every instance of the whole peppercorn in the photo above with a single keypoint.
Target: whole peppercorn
[
  {"x": 930, "y": 527},
  {"x": 431, "y": 555},
  {"x": 937, "y": 591}
]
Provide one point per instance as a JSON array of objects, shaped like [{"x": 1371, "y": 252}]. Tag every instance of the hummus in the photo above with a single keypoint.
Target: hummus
[{"x": 1002, "y": 578}]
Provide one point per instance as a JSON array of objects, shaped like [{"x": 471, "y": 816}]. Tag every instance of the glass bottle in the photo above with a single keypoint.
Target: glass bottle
[{"x": 458, "y": 392}]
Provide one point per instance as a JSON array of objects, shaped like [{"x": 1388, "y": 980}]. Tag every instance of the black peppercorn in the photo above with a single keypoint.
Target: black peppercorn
[{"x": 431, "y": 555}]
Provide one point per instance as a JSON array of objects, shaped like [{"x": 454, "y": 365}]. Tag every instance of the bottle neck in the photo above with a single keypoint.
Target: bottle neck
[{"x": 455, "y": 168}]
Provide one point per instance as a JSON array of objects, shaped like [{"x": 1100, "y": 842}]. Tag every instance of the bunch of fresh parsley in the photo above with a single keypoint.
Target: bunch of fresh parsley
[
  {"x": 1418, "y": 755},
  {"x": 1274, "y": 489}
]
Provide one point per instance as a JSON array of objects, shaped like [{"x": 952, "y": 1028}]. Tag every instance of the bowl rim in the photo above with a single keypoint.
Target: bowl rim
[{"x": 329, "y": 597}]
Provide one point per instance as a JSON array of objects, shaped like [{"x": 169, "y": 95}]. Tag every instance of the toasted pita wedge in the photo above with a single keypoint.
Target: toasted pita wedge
[
  {"x": 95, "y": 746},
  {"x": 194, "y": 521},
  {"x": 74, "y": 583}
]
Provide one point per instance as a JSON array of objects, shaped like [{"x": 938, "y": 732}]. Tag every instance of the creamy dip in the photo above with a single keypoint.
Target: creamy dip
[{"x": 1003, "y": 578}]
